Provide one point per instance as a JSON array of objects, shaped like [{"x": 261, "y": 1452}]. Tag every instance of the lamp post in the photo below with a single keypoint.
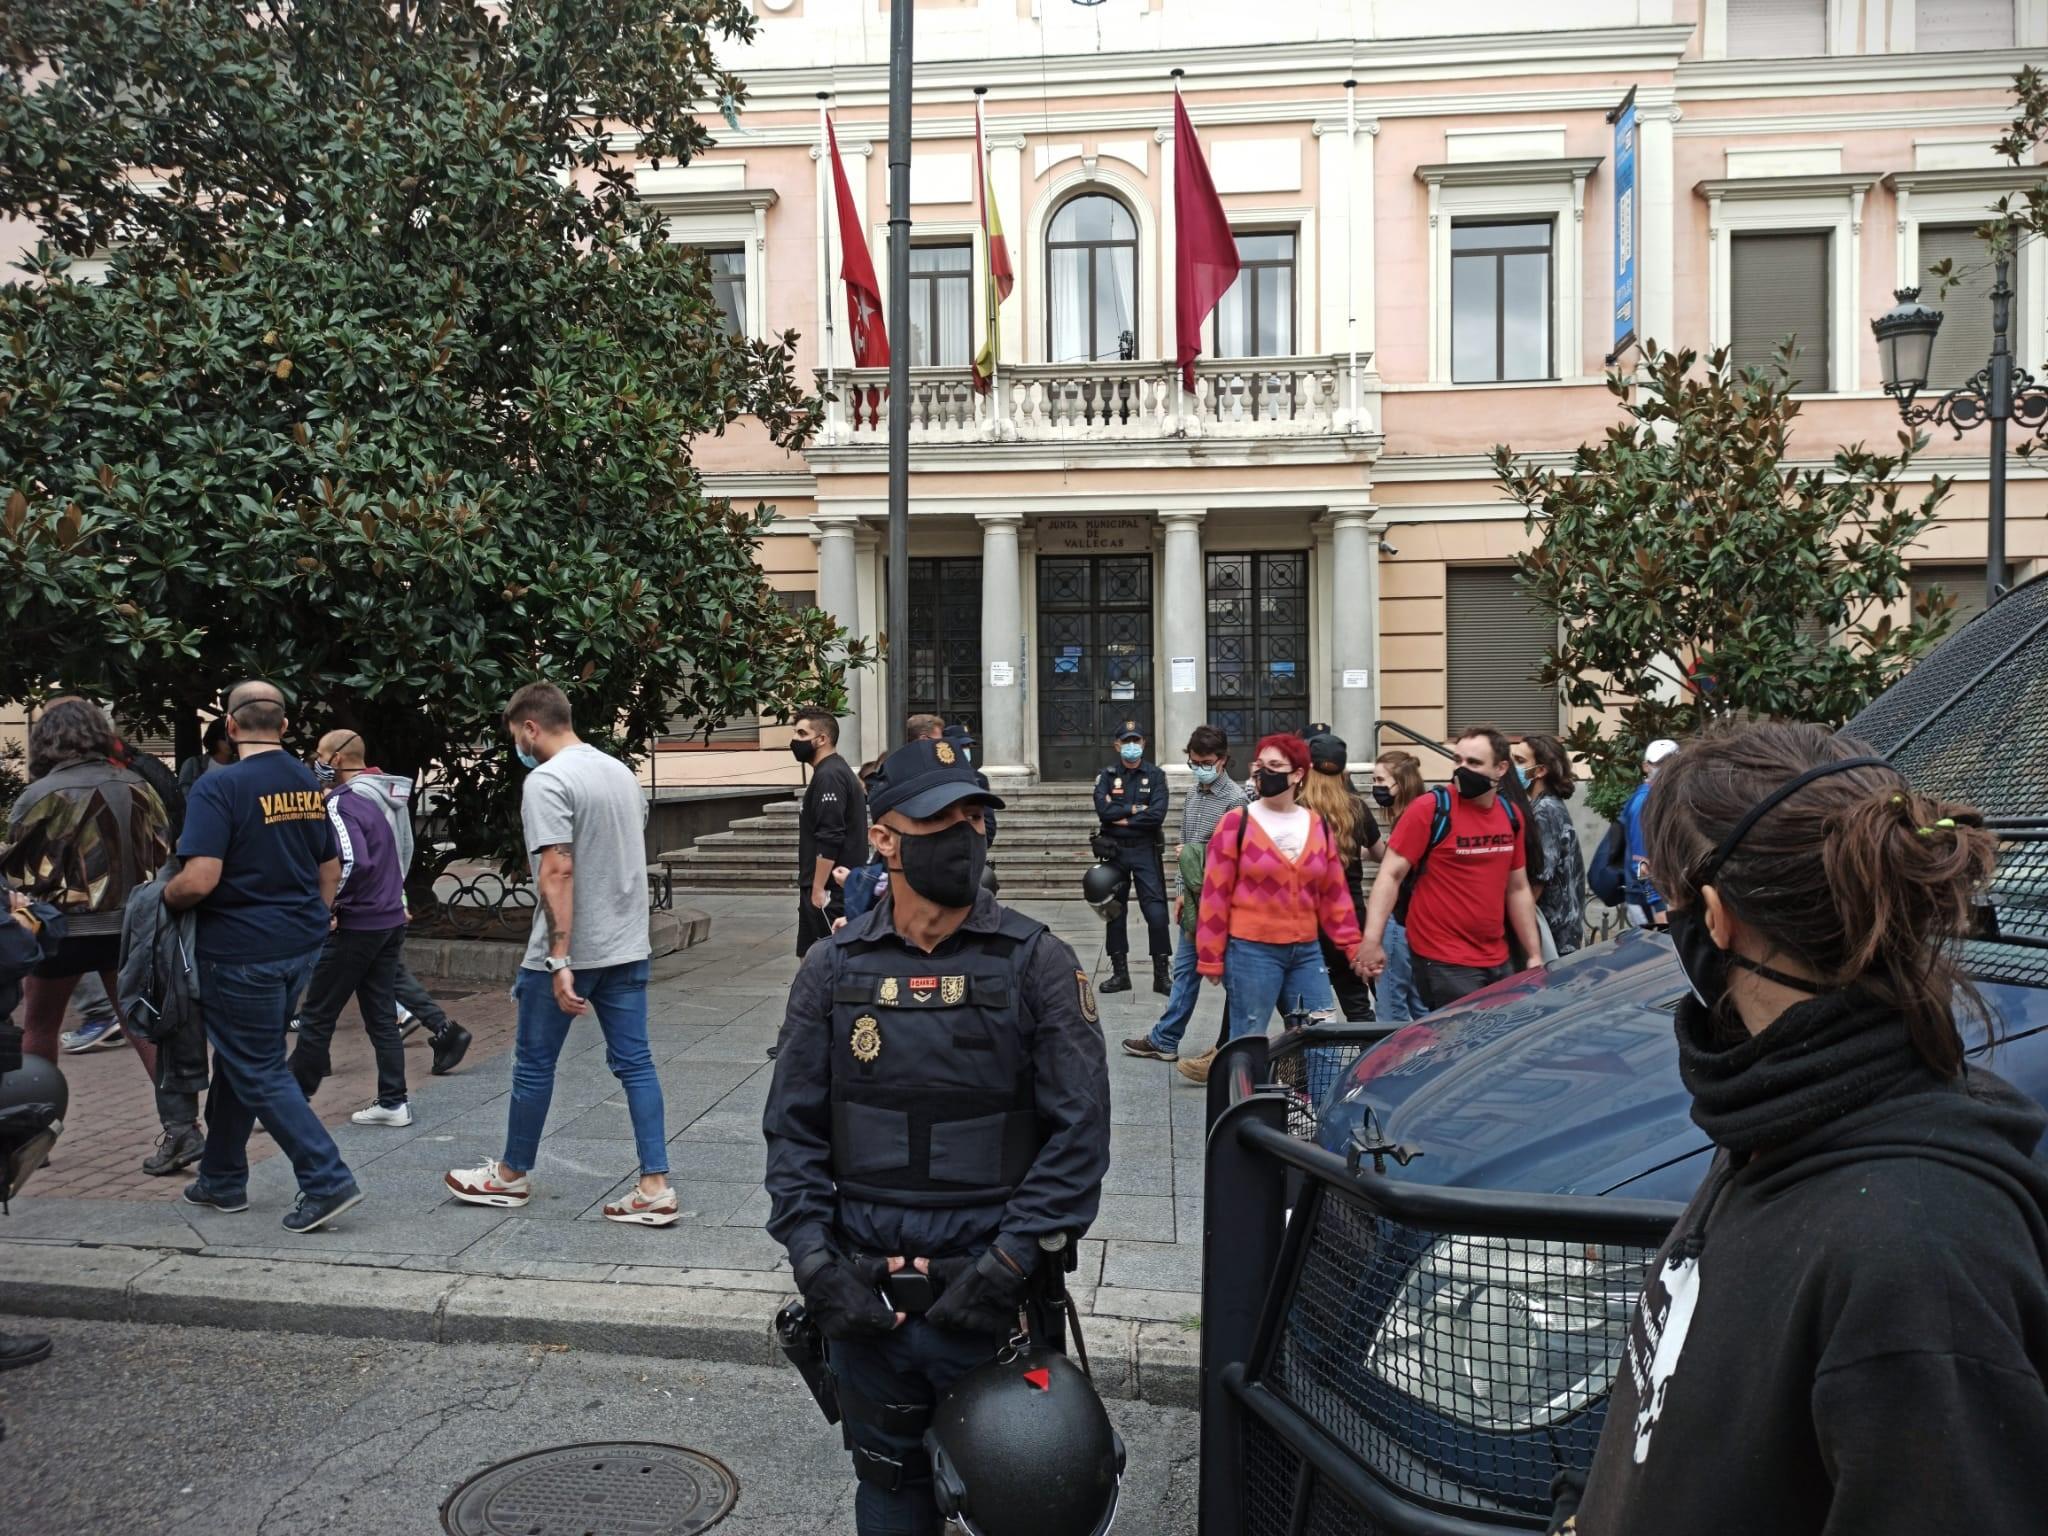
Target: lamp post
[{"x": 2000, "y": 392}]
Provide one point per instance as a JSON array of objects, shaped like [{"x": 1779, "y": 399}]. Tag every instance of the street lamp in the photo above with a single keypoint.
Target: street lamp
[{"x": 2000, "y": 392}]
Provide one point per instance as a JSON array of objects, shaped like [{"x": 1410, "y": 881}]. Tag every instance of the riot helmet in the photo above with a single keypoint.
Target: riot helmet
[
  {"x": 1103, "y": 889},
  {"x": 33, "y": 1099},
  {"x": 1022, "y": 1446}
]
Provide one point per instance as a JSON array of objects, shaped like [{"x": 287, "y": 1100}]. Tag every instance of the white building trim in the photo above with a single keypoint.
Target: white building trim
[
  {"x": 724, "y": 216},
  {"x": 1547, "y": 188},
  {"x": 1146, "y": 312},
  {"x": 1966, "y": 197},
  {"x": 1830, "y": 203}
]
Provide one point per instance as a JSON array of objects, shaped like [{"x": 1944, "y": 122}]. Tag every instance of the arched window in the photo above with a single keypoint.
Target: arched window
[{"x": 1091, "y": 260}]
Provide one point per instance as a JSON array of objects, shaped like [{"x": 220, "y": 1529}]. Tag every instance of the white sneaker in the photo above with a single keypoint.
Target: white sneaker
[
  {"x": 483, "y": 1186},
  {"x": 377, "y": 1114}
]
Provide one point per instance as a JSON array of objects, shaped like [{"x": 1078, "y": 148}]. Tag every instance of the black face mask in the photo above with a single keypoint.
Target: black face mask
[
  {"x": 944, "y": 867},
  {"x": 803, "y": 751},
  {"x": 1271, "y": 783},
  {"x": 1472, "y": 784},
  {"x": 1704, "y": 962},
  {"x": 1381, "y": 795}
]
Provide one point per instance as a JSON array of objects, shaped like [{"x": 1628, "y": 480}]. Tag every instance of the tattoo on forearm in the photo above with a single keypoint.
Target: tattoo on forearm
[{"x": 557, "y": 930}]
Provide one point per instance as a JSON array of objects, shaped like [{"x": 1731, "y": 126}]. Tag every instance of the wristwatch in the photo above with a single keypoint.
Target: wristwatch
[{"x": 554, "y": 963}]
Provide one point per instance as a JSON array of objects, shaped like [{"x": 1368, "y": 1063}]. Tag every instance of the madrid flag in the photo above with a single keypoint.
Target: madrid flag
[
  {"x": 1204, "y": 252},
  {"x": 863, "y": 293}
]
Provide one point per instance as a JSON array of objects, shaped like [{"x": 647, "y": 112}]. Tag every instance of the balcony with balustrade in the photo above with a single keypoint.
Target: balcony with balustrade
[{"x": 1319, "y": 404}]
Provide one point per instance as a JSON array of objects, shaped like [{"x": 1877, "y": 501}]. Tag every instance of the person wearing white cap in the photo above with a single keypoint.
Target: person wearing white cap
[{"x": 1645, "y": 906}]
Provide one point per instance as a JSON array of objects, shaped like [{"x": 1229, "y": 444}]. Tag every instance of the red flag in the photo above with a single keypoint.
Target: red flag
[
  {"x": 1205, "y": 251},
  {"x": 999, "y": 279},
  {"x": 863, "y": 293}
]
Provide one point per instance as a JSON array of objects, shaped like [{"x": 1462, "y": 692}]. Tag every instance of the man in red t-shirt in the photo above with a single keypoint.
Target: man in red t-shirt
[{"x": 1473, "y": 884}]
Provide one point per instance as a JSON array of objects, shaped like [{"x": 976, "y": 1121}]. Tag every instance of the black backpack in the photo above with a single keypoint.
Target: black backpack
[{"x": 1439, "y": 829}]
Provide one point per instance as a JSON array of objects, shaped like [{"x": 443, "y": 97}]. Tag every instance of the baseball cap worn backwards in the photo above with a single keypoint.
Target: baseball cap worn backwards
[
  {"x": 922, "y": 779},
  {"x": 1659, "y": 749}
]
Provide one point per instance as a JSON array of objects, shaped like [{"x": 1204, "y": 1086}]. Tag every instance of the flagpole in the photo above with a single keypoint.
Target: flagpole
[
  {"x": 993, "y": 317},
  {"x": 825, "y": 216},
  {"x": 899, "y": 366},
  {"x": 1179, "y": 386},
  {"x": 1351, "y": 236}
]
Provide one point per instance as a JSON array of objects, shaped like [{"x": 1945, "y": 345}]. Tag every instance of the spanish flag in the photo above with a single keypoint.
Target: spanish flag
[{"x": 997, "y": 279}]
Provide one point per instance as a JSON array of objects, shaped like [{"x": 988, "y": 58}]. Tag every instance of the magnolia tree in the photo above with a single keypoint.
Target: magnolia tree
[
  {"x": 383, "y": 384},
  {"x": 1693, "y": 572}
]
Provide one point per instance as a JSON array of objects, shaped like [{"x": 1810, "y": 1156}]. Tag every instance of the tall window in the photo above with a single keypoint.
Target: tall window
[
  {"x": 729, "y": 284},
  {"x": 1500, "y": 302},
  {"x": 1778, "y": 287},
  {"x": 941, "y": 305},
  {"x": 1495, "y": 641},
  {"x": 1092, "y": 264},
  {"x": 1777, "y": 29},
  {"x": 1964, "y": 583},
  {"x": 1256, "y": 315},
  {"x": 1963, "y": 345},
  {"x": 1955, "y": 26}
]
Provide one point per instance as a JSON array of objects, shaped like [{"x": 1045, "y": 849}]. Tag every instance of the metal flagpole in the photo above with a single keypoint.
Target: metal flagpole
[
  {"x": 899, "y": 367},
  {"x": 828, "y": 203},
  {"x": 993, "y": 313},
  {"x": 1350, "y": 237},
  {"x": 1179, "y": 384}
]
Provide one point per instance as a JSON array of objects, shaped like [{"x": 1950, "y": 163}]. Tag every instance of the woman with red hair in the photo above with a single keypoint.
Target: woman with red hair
[{"x": 1273, "y": 881}]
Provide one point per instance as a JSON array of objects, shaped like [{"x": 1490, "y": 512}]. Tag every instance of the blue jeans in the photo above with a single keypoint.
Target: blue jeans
[
  {"x": 1257, "y": 978},
  {"x": 617, "y": 994},
  {"x": 1395, "y": 998},
  {"x": 1180, "y": 1002},
  {"x": 245, "y": 1005}
]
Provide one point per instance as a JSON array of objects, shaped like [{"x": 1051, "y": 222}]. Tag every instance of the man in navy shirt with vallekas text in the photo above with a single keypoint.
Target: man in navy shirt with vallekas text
[{"x": 261, "y": 866}]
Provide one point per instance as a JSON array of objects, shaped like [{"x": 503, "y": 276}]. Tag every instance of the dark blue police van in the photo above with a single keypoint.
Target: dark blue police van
[{"x": 1426, "y": 1333}]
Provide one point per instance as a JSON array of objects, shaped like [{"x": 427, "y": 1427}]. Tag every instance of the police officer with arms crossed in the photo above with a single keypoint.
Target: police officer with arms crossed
[
  {"x": 940, "y": 1106},
  {"x": 1131, "y": 800}
]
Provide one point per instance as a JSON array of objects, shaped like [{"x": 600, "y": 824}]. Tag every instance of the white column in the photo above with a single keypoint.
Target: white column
[
  {"x": 839, "y": 595},
  {"x": 1006, "y": 183},
  {"x": 1656, "y": 251},
  {"x": 1165, "y": 336},
  {"x": 1183, "y": 634},
  {"x": 1351, "y": 550},
  {"x": 1002, "y": 646}
]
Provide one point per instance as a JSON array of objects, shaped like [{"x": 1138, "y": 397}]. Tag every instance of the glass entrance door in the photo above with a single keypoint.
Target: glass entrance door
[
  {"x": 1258, "y": 646},
  {"x": 945, "y": 643},
  {"x": 1094, "y": 659}
]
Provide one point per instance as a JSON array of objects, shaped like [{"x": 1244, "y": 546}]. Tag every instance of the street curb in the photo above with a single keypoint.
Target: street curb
[{"x": 1157, "y": 1363}]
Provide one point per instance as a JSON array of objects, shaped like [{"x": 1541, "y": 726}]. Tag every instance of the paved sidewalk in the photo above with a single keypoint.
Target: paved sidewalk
[{"x": 557, "y": 1264}]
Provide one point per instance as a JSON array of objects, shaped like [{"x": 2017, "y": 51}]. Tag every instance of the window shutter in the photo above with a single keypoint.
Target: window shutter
[
  {"x": 1777, "y": 29},
  {"x": 1963, "y": 344},
  {"x": 1778, "y": 286},
  {"x": 1955, "y": 26},
  {"x": 1495, "y": 642},
  {"x": 1964, "y": 583}
]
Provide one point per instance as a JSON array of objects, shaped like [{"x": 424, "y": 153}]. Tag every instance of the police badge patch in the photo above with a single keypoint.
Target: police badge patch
[
  {"x": 943, "y": 751},
  {"x": 867, "y": 1038},
  {"x": 1087, "y": 998},
  {"x": 887, "y": 993},
  {"x": 952, "y": 989}
]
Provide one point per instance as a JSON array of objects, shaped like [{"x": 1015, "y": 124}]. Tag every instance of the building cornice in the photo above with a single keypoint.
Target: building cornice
[
  {"x": 1989, "y": 178},
  {"x": 1851, "y": 74},
  {"x": 1992, "y": 115},
  {"x": 1739, "y": 189},
  {"x": 758, "y": 485},
  {"x": 1355, "y": 448},
  {"x": 711, "y": 201}
]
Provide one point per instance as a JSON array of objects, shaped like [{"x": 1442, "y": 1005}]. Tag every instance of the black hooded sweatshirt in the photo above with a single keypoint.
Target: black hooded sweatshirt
[{"x": 1848, "y": 1330}]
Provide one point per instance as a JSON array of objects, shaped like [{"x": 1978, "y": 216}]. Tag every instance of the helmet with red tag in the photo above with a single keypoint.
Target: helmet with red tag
[{"x": 1022, "y": 1446}]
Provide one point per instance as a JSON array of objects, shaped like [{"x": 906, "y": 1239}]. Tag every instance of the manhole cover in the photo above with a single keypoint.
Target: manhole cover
[{"x": 617, "y": 1488}]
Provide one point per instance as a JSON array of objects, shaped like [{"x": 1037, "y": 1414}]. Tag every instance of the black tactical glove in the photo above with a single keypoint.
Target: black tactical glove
[
  {"x": 841, "y": 1297},
  {"x": 977, "y": 1296}
]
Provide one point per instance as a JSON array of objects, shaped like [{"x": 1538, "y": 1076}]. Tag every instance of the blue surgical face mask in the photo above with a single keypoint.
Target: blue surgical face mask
[
  {"x": 1131, "y": 751},
  {"x": 1205, "y": 773},
  {"x": 526, "y": 759},
  {"x": 1522, "y": 774}
]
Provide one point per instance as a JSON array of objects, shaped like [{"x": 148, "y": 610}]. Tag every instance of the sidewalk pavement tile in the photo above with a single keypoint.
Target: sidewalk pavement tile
[
  {"x": 1152, "y": 1266},
  {"x": 1144, "y": 1218}
]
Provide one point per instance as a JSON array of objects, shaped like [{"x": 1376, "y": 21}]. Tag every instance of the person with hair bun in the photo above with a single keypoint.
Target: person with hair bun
[{"x": 1848, "y": 1328}]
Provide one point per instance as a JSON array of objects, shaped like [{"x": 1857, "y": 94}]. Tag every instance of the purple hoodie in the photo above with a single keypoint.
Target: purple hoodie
[{"x": 372, "y": 893}]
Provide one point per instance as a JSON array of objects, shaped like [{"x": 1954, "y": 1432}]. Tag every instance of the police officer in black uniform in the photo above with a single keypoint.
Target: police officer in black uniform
[
  {"x": 1130, "y": 799},
  {"x": 940, "y": 1110}
]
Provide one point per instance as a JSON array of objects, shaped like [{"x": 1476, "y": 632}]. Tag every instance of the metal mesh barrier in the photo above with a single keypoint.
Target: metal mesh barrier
[
  {"x": 1970, "y": 722},
  {"x": 2019, "y": 896},
  {"x": 1309, "y": 1062},
  {"x": 1465, "y": 1370},
  {"x": 1273, "y": 1488}
]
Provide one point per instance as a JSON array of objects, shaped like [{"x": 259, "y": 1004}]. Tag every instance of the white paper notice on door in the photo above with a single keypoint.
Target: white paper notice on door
[
  {"x": 1001, "y": 675},
  {"x": 1122, "y": 693},
  {"x": 1182, "y": 674},
  {"x": 1357, "y": 677}
]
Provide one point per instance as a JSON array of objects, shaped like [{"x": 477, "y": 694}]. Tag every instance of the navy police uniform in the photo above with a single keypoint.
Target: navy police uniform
[
  {"x": 1132, "y": 803},
  {"x": 951, "y": 1105}
]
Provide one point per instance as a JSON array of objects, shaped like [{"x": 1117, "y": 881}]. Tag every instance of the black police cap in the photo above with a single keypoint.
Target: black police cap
[
  {"x": 922, "y": 779},
  {"x": 1132, "y": 731}
]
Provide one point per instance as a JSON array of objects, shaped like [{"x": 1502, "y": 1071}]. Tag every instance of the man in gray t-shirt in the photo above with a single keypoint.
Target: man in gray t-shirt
[{"x": 584, "y": 815}]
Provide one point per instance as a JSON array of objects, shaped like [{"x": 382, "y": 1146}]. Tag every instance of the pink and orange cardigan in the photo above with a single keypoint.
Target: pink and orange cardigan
[{"x": 1251, "y": 890}]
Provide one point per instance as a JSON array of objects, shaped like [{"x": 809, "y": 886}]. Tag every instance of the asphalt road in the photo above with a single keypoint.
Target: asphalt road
[{"x": 146, "y": 1429}]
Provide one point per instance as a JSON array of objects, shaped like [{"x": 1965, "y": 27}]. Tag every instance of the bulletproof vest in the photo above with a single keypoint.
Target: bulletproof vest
[{"x": 932, "y": 1086}]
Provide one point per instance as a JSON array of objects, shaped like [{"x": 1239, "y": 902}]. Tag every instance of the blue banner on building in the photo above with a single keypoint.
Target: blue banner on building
[{"x": 1627, "y": 225}]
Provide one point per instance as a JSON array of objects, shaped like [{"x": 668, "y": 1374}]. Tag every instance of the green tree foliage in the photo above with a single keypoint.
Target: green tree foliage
[
  {"x": 390, "y": 388},
  {"x": 1694, "y": 573}
]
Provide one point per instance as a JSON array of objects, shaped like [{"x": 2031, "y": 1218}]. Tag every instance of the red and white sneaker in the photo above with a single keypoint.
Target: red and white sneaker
[
  {"x": 662, "y": 1210},
  {"x": 483, "y": 1185}
]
